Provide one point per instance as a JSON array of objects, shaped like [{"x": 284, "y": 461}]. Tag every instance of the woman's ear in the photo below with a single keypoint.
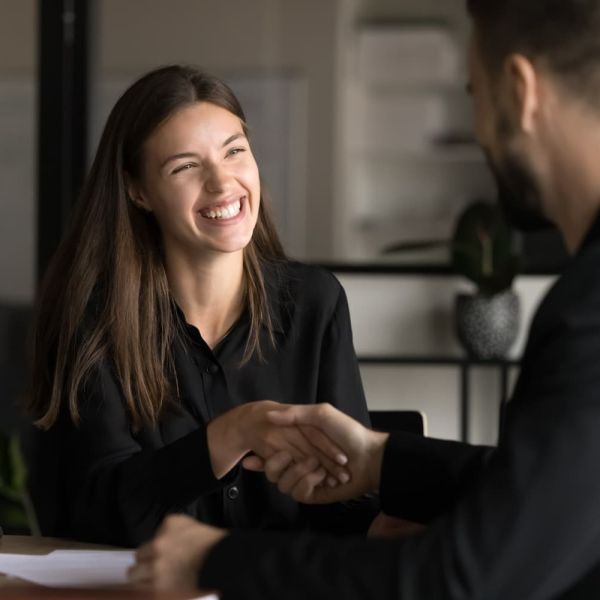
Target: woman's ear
[{"x": 135, "y": 194}]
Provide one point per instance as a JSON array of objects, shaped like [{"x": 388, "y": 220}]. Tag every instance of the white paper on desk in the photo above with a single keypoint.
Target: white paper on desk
[{"x": 70, "y": 568}]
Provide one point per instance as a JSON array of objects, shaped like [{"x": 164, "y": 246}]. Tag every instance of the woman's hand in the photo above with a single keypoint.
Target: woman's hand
[
  {"x": 247, "y": 428},
  {"x": 174, "y": 558}
]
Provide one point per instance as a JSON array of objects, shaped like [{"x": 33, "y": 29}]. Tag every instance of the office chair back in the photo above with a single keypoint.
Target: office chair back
[{"x": 412, "y": 421}]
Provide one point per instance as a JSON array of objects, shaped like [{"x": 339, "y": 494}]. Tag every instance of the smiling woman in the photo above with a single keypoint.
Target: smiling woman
[
  {"x": 168, "y": 323},
  {"x": 206, "y": 198}
]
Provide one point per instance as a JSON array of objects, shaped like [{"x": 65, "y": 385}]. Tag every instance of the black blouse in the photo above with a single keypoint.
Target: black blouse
[{"x": 104, "y": 483}]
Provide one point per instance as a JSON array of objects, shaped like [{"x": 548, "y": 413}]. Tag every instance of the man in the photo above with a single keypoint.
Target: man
[{"x": 520, "y": 522}]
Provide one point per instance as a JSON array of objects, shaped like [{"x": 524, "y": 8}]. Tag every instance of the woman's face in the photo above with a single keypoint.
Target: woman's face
[{"x": 201, "y": 181}]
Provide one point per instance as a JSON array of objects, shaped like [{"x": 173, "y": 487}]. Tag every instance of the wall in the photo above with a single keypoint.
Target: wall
[
  {"x": 237, "y": 37},
  {"x": 407, "y": 161},
  {"x": 412, "y": 316},
  {"x": 17, "y": 150}
]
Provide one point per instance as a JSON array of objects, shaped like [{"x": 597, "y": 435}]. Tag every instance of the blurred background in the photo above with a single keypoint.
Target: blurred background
[{"x": 360, "y": 121}]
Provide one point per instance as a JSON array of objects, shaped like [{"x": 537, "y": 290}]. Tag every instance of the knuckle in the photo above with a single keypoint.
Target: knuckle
[{"x": 271, "y": 475}]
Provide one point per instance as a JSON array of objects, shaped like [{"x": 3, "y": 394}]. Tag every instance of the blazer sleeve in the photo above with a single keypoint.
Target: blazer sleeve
[
  {"x": 117, "y": 491},
  {"x": 340, "y": 384},
  {"x": 525, "y": 526},
  {"x": 423, "y": 478}
]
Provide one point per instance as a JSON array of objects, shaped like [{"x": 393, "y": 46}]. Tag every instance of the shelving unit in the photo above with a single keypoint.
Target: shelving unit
[
  {"x": 464, "y": 364},
  {"x": 409, "y": 161}
]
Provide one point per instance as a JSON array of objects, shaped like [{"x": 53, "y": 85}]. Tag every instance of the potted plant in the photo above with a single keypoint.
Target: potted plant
[
  {"x": 13, "y": 515},
  {"x": 483, "y": 250}
]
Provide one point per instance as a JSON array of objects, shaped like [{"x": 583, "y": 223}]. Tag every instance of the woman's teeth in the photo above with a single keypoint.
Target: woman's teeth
[{"x": 225, "y": 212}]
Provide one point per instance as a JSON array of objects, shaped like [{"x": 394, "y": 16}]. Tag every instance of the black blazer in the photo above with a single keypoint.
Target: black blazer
[{"x": 521, "y": 522}]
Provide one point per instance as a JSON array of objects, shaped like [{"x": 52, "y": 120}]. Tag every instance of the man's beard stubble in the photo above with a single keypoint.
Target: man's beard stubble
[{"x": 518, "y": 196}]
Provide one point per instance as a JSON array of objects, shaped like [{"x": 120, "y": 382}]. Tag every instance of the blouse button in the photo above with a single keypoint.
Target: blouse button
[
  {"x": 212, "y": 369},
  {"x": 233, "y": 492}
]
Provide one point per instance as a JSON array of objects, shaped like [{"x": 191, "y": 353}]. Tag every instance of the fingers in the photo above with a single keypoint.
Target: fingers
[
  {"x": 306, "y": 481},
  {"x": 321, "y": 441},
  {"x": 290, "y": 477},
  {"x": 145, "y": 552},
  {"x": 337, "y": 426},
  {"x": 140, "y": 573},
  {"x": 277, "y": 465},
  {"x": 308, "y": 487},
  {"x": 145, "y": 570},
  {"x": 254, "y": 463},
  {"x": 317, "y": 444},
  {"x": 292, "y": 440},
  {"x": 300, "y": 447},
  {"x": 313, "y": 421},
  {"x": 300, "y": 479}
]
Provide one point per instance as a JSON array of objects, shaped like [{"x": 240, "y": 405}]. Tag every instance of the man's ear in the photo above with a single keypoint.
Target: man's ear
[
  {"x": 524, "y": 88},
  {"x": 135, "y": 194}
]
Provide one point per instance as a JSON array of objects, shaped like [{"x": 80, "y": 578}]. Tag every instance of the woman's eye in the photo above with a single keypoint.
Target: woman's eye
[
  {"x": 234, "y": 151},
  {"x": 185, "y": 167}
]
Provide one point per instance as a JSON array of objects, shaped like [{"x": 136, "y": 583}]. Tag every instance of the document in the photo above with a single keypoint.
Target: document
[
  {"x": 73, "y": 568},
  {"x": 70, "y": 568}
]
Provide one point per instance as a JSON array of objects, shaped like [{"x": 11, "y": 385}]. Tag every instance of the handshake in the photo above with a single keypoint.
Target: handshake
[{"x": 316, "y": 454}]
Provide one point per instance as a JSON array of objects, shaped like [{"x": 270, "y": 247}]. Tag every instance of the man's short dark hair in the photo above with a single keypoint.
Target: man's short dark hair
[{"x": 562, "y": 34}]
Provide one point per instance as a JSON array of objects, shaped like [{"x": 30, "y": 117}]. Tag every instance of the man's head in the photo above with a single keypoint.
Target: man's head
[{"x": 532, "y": 63}]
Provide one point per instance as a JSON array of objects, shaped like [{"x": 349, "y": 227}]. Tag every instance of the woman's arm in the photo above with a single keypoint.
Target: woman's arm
[{"x": 118, "y": 489}]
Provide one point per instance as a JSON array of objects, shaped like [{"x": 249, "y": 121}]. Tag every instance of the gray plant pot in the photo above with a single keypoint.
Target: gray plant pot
[{"x": 487, "y": 326}]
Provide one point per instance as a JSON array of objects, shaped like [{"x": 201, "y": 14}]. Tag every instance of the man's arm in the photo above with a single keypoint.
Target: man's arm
[
  {"x": 424, "y": 480},
  {"x": 522, "y": 531},
  {"x": 525, "y": 526},
  {"x": 528, "y": 529}
]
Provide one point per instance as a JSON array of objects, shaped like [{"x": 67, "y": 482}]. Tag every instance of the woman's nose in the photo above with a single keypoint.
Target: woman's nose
[{"x": 217, "y": 179}]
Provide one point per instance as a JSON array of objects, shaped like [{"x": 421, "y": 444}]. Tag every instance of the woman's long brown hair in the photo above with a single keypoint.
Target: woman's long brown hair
[{"x": 105, "y": 296}]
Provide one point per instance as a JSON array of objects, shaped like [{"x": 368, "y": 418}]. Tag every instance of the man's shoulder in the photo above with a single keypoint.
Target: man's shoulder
[{"x": 576, "y": 293}]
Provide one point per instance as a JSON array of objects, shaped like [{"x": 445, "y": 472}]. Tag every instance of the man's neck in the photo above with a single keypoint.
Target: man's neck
[{"x": 574, "y": 180}]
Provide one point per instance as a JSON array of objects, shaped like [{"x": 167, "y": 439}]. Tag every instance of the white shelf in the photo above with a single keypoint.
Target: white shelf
[{"x": 451, "y": 154}]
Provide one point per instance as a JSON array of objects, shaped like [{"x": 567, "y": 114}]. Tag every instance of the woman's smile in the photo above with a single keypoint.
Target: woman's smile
[{"x": 224, "y": 212}]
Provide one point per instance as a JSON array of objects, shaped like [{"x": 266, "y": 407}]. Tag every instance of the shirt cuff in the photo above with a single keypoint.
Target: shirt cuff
[
  {"x": 410, "y": 475},
  {"x": 190, "y": 455}
]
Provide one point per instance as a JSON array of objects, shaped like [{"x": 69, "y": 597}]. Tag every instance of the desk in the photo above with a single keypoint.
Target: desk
[{"x": 11, "y": 588}]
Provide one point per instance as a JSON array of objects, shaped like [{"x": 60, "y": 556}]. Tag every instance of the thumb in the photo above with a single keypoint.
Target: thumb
[
  {"x": 284, "y": 417},
  {"x": 295, "y": 415}
]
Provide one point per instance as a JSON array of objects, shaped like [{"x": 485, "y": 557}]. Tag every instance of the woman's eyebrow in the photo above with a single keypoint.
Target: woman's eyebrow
[
  {"x": 228, "y": 141},
  {"x": 176, "y": 156},
  {"x": 232, "y": 138}
]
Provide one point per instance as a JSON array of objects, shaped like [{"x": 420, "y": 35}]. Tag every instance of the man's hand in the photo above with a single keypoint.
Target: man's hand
[
  {"x": 173, "y": 559},
  {"x": 304, "y": 479}
]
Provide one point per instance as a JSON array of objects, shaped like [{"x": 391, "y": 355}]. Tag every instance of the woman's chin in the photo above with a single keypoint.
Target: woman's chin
[{"x": 229, "y": 246}]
